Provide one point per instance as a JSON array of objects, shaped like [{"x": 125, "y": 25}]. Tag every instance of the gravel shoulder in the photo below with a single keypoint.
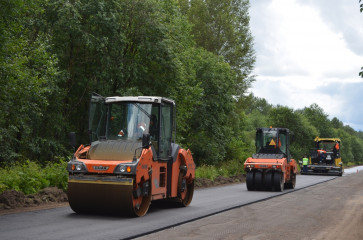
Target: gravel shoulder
[{"x": 332, "y": 210}]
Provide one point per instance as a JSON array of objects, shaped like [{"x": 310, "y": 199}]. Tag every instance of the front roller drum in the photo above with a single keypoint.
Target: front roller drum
[
  {"x": 250, "y": 180},
  {"x": 278, "y": 181},
  {"x": 108, "y": 197},
  {"x": 269, "y": 181},
  {"x": 259, "y": 180}
]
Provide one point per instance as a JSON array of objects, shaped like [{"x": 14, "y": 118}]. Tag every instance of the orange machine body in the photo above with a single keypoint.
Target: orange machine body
[
  {"x": 272, "y": 167},
  {"x": 132, "y": 159}
]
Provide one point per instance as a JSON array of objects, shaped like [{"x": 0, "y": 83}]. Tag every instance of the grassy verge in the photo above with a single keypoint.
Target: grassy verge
[
  {"x": 30, "y": 177},
  {"x": 227, "y": 169}
]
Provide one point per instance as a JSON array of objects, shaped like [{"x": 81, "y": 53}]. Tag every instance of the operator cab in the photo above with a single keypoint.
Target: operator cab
[
  {"x": 331, "y": 148},
  {"x": 125, "y": 121},
  {"x": 272, "y": 142}
]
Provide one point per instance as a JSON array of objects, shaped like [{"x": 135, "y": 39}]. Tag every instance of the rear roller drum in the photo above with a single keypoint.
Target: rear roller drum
[
  {"x": 278, "y": 181},
  {"x": 141, "y": 199},
  {"x": 250, "y": 178},
  {"x": 269, "y": 181},
  {"x": 259, "y": 180}
]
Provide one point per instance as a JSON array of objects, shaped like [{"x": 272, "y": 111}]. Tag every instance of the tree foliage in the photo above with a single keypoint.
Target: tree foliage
[
  {"x": 55, "y": 53},
  {"x": 29, "y": 76},
  {"x": 222, "y": 27}
]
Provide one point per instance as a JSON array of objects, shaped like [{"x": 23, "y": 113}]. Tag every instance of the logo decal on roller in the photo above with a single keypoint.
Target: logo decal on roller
[{"x": 100, "y": 168}]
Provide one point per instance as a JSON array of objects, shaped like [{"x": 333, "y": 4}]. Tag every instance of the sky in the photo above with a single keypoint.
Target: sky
[{"x": 310, "y": 51}]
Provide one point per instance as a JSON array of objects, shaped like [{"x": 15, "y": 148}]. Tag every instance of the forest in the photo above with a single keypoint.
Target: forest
[{"x": 55, "y": 53}]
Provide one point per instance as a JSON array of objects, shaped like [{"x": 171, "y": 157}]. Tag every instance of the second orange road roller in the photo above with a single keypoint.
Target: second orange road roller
[
  {"x": 132, "y": 158},
  {"x": 272, "y": 167}
]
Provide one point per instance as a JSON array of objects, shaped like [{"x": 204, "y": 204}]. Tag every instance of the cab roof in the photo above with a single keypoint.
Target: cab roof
[
  {"x": 143, "y": 99},
  {"x": 317, "y": 139}
]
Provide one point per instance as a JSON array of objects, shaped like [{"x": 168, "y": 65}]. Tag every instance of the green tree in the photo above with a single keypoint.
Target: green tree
[
  {"x": 122, "y": 48},
  {"x": 336, "y": 123},
  {"x": 319, "y": 119},
  {"x": 28, "y": 76},
  {"x": 211, "y": 133},
  {"x": 304, "y": 133},
  {"x": 222, "y": 27},
  {"x": 357, "y": 150}
]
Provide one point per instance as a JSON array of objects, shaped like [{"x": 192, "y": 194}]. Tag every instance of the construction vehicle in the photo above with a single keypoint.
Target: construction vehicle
[
  {"x": 132, "y": 158},
  {"x": 325, "y": 158},
  {"x": 271, "y": 168}
]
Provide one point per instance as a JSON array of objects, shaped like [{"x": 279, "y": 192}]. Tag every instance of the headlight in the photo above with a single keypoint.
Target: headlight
[
  {"x": 122, "y": 168},
  {"x": 75, "y": 166},
  {"x": 78, "y": 167},
  {"x": 125, "y": 169}
]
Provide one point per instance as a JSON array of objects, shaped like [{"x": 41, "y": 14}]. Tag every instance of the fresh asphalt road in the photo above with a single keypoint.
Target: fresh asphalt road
[{"x": 63, "y": 223}]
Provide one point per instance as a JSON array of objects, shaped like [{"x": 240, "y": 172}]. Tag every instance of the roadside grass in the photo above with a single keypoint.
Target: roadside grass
[
  {"x": 351, "y": 164},
  {"x": 30, "y": 177},
  {"x": 226, "y": 169}
]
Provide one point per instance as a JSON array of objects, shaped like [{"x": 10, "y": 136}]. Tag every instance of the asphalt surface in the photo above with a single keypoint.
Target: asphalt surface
[
  {"x": 63, "y": 223},
  {"x": 332, "y": 210}
]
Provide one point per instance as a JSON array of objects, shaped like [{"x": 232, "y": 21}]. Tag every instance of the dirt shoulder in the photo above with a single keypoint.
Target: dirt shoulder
[
  {"x": 12, "y": 201},
  {"x": 333, "y": 210}
]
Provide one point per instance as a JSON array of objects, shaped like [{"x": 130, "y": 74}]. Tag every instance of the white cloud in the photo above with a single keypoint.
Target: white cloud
[{"x": 304, "y": 55}]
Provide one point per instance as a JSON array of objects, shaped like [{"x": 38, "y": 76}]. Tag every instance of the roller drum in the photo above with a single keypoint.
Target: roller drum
[{"x": 106, "y": 195}]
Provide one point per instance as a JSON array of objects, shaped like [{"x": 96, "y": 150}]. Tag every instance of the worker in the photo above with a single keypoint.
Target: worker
[
  {"x": 305, "y": 164},
  {"x": 336, "y": 146},
  {"x": 141, "y": 127},
  {"x": 321, "y": 154}
]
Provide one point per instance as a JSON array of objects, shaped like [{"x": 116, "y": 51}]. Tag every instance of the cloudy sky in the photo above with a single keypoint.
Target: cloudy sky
[{"x": 310, "y": 51}]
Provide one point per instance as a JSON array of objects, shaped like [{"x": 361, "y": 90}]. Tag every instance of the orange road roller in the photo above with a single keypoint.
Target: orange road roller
[
  {"x": 132, "y": 158},
  {"x": 271, "y": 168}
]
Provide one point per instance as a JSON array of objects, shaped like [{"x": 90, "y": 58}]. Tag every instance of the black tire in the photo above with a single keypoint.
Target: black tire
[
  {"x": 292, "y": 183},
  {"x": 258, "y": 180},
  {"x": 278, "y": 182},
  {"x": 269, "y": 181},
  {"x": 341, "y": 172},
  {"x": 250, "y": 181}
]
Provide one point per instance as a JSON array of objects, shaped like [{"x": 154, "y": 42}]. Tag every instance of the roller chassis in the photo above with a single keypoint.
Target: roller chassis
[
  {"x": 269, "y": 172},
  {"x": 120, "y": 172}
]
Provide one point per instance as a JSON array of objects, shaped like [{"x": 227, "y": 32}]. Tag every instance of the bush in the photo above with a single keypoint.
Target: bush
[
  {"x": 206, "y": 171},
  {"x": 226, "y": 169},
  {"x": 30, "y": 177}
]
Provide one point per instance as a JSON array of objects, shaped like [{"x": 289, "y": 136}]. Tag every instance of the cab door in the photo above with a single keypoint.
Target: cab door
[
  {"x": 97, "y": 118},
  {"x": 166, "y": 128}
]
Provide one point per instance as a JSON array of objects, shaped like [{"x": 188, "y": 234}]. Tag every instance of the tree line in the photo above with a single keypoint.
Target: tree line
[
  {"x": 306, "y": 124},
  {"x": 55, "y": 53}
]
